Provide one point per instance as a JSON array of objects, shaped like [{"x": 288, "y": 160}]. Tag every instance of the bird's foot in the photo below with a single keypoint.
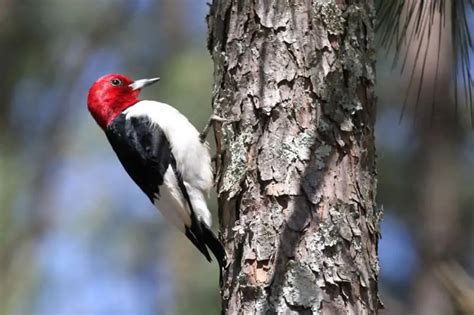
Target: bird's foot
[
  {"x": 218, "y": 118},
  {"x": 205, "y": 131}
]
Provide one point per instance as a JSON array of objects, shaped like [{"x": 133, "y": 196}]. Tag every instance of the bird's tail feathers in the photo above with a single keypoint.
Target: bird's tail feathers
[
  {"x": 193, "y": 235},
  {"x": 213, "y": 243},
  {"x": 201, "y": 235}
]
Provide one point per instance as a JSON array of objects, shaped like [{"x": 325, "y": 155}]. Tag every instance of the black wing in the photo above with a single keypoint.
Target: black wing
[{"x": 145, "y": 153}]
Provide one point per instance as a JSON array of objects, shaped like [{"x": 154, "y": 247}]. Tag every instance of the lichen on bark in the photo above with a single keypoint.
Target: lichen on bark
[{"x": 296, "y": 161}]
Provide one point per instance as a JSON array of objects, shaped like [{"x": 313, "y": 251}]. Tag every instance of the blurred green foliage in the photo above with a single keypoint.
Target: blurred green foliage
[{"x": 77, "y": 236}]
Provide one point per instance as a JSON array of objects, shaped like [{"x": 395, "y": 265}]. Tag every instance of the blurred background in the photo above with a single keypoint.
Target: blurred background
[{"x": 78, "y": 237}]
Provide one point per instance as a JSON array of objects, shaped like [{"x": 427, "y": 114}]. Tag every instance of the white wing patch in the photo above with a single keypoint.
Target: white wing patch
[{"x": 192, "y": 160}]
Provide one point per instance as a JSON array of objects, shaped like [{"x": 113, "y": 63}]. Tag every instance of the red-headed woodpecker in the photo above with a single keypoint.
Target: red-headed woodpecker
[{"x": 162, "y": 152}]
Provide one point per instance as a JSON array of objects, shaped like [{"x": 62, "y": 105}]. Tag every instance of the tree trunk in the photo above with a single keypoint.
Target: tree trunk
[{"x": 296, "y": 160}]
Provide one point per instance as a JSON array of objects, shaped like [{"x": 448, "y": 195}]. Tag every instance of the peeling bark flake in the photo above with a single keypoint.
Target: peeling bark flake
[{"x": 297, "y": 182}]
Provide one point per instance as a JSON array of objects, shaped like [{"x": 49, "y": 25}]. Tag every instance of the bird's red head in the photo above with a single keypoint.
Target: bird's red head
[{"x": 112, "y": 94}]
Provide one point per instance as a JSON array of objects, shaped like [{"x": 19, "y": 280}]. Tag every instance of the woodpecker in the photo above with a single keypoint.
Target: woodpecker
[{"x": 162, "y": 152}]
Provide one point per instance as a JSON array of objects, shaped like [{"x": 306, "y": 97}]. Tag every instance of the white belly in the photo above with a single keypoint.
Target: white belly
[{"x": 171, "y": 202}]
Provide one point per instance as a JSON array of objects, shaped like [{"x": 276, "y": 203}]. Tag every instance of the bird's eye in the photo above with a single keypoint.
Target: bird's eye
[{"x": 116, "y": 82}]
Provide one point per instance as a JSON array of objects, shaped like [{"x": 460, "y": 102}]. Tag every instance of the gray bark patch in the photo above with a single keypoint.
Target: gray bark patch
[{"x": 297, "y": 162}]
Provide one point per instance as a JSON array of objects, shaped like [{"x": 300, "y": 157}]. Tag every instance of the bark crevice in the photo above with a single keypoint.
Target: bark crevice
[{"x": 297, "y": 186}]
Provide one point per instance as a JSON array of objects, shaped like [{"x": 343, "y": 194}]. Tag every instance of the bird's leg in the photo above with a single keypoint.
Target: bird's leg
[
  {"x": 220, "y": 150},
  {"x": 205, "y": 131}
]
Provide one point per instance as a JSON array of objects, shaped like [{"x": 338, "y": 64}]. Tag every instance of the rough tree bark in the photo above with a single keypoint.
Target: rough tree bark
[{"x": 296, "y": 161}]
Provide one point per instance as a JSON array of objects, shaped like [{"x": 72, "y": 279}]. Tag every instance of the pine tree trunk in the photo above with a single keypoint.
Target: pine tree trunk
[{"x": 296, "y": 161}]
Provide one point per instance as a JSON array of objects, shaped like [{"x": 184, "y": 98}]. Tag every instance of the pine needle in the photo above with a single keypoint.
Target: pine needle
[{"x": 403, "y": 23}]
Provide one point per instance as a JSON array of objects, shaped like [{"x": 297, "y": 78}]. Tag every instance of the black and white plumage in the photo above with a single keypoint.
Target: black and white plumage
[{"x": 160, "y": 150}]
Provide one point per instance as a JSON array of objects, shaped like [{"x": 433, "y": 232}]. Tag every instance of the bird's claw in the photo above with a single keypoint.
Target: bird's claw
[
  {"x": 218, "y": 118},
  {"x": 203, "y": 134}
]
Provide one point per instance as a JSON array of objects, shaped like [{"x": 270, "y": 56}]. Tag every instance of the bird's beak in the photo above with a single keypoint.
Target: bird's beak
[{"x": 139, "y": 84}]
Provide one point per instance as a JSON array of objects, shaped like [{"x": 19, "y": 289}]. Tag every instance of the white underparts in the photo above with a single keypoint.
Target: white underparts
[
  {"x": 192, "y": 160},
  {"x": 171, "y": 202}
]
